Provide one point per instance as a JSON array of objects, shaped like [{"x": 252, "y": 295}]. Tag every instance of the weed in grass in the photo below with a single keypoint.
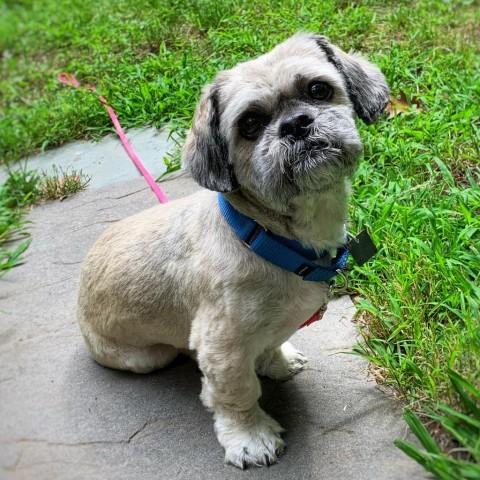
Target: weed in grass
[
  {"x": 61, "y": 183},
  {"x": 173, "y": 159}
]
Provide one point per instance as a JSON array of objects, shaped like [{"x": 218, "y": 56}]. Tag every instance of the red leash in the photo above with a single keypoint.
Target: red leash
[
  {"x": 318, "y": 315},
  {"x": 71, "y": 81}
]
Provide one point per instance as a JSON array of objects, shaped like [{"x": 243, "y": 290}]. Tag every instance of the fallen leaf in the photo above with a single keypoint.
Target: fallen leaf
[{"x": 402, "y": 105}]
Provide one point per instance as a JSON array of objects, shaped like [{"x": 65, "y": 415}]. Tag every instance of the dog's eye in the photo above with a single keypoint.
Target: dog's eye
[
  {"x": 251, "y": 125},
  {"x": 320, "y": 90}
]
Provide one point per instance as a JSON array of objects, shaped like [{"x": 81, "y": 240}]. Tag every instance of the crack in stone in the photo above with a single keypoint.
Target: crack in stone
[
  {"x": 141, "y": 429},
  {"x": 94, "y": 223},
  {"x": 106, "y": 198},
  {"x": 91, "y": 442},
  {"x": 91, "y": 201},
  {"x": 56, "y": 283},
  {"x": 128, "y": 194},
  {"x": 77, "y": 444},
  {"x": 106, "y": 208}
]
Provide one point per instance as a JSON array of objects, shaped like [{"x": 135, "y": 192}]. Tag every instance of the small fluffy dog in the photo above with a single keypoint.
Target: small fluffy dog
[{"x": 277, "y": 136}]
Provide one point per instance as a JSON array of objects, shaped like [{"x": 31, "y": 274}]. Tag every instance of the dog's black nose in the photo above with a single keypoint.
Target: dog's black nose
[{"x": 297, "y": 126}]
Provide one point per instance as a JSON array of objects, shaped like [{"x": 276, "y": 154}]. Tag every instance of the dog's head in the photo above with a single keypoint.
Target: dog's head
[{"x": 283, "y": 124}]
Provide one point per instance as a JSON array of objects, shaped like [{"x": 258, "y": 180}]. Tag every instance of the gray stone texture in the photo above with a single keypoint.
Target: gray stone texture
[
  {"x": 65, "y": 417},
  {"x": 106, "y": 161}
]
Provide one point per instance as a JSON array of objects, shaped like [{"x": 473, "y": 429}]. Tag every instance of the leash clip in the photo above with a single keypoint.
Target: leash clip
[{"x": 337, "y": 291}]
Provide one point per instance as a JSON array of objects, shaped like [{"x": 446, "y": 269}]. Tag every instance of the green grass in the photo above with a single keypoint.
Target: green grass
[
  {"x": 417, "y": 190},
  {"x": 22, "y": 189},
  {"x": 18, "y": 192},
  {"x": 464, "y": 427}
]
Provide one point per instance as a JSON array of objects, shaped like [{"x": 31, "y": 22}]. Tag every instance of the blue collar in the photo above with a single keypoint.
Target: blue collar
[{"x": 282, "y": 252}]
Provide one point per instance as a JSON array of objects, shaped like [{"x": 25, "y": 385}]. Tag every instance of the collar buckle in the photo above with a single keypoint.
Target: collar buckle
[{"x": 253, "y": 235}]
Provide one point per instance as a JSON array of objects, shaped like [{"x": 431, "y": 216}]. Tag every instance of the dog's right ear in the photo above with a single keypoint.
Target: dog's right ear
[
  {"x": 366, "y": 85},
  {"x": 205, "y": 153}
]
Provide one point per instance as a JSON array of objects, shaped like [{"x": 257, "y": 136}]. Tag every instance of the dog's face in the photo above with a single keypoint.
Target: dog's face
[{"x": 282, "y": 125}]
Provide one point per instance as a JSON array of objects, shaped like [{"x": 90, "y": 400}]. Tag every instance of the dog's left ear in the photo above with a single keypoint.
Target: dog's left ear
[
  {"x": 366, "y": 85},
  {"x": 205, "y": 153}
]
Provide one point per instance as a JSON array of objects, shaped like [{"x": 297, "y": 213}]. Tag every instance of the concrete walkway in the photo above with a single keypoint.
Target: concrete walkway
[{"x": 62, "y": 416}]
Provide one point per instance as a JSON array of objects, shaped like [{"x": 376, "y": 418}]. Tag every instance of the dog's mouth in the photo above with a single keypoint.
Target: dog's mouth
[
  {"x": 312, "y": 151},
  {"x": 312, "y": 144},
  {"x": 317, "y": 161}
]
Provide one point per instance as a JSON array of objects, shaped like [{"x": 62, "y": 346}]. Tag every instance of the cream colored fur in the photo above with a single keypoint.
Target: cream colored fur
[{"x": 176, "y": 278}]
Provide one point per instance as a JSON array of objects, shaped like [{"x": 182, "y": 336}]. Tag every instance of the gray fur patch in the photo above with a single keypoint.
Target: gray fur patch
[
  {"x": 369, "y": 94},
  {"x": 208, "y": 162}
]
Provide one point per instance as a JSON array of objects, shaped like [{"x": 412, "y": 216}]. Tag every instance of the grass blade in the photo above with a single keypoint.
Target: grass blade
[{"x": 421, "y": 432}]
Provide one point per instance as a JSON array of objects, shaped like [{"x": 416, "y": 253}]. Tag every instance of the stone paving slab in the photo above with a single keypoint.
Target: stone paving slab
[
  {"x": 106, "y": 161},
  {"x": 65, "y": 417}
]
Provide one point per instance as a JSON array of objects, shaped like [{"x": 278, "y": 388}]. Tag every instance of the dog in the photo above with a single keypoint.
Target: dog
[{"x": 277, "y": 137}]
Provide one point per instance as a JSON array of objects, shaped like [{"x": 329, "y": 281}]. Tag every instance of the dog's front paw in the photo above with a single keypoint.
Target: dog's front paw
[
  {"x": 249, "y": 438},
  {"x": 281, "y": 363}
]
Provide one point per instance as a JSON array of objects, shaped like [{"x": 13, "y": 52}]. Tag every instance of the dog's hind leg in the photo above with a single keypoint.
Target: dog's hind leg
[{"x": 122, "y": 356}]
